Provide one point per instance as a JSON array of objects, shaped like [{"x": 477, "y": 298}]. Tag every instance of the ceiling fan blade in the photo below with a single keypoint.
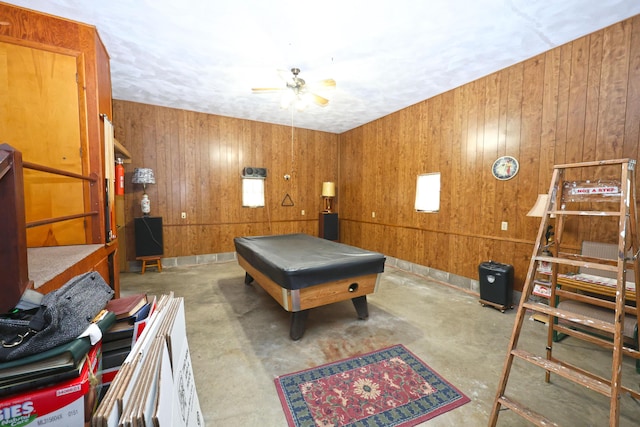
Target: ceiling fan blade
[
  {"x": 320, "y": 100},
  {"x": 266, "y": 89},
  {"x": 327, "y": 83}
]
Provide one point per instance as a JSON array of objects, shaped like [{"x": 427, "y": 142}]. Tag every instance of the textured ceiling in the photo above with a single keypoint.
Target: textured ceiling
[{"x": 205, "y": 55}]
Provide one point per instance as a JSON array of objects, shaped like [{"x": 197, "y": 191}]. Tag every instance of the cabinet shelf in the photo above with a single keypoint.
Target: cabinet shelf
[{"x": 121, "y": 151}]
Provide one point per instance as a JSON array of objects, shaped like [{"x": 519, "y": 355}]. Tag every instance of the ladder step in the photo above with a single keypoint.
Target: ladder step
[
  {"x": 631, "y": 163},
  {"x": 525, "y": 412},
  {"x": 563, "y": 371},
  {"x": 578, "y": 263},
  {"x": 595, "y": 260},
  {"x": 571, "y": 316},
  {"x": 602, "y": 342},
  {"x": 586, "y": 213},
  {"x": 598, "y": 302}
]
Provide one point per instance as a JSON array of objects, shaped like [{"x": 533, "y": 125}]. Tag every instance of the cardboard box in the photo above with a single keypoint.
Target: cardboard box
[{"x": 66, "y": 404}]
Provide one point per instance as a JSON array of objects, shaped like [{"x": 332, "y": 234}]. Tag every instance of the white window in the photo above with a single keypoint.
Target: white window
[
  {"x": 252, "y": 192},
  {"x": 428, "y": 192}
]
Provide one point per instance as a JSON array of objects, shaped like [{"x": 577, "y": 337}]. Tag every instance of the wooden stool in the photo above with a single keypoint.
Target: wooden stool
[{"x": 150, "y": 261}]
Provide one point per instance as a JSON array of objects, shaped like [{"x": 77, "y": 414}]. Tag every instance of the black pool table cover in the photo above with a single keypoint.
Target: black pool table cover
[{"x": 296, "y": 261}]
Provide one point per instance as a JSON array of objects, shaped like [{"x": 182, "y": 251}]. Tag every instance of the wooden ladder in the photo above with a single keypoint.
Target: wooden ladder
[{"x": 575, "y": 199}]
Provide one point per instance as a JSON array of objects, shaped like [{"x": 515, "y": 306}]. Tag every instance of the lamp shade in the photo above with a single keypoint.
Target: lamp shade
[
  {"x": 143, "y": 176},
  {"x": 328, "y": 189},
  {"x": 541, "y": 204}
]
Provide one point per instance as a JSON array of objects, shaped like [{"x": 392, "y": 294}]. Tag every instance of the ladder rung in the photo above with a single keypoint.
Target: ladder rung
[
  {"x": 586, "y": 213},
  {"x": 592, "y": 300},
  {"x": 595, "y": 163},
  {"x": 623, "y": 389},
  {"x": 525, "y": 412},
  {"x": 577, "y": 263},
  {"x": 605, "y": 343},
  {"x": 565, "y": 372},
  {"x": 594, "y": 259},
  {"x": 571, "y": 317}
]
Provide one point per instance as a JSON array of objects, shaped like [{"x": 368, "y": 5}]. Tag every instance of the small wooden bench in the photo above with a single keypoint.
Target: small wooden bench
[{"x": 150, "y": 261}]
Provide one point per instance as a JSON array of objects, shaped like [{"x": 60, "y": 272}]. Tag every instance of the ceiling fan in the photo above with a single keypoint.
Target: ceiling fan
[{"x": 297, "y": 90}]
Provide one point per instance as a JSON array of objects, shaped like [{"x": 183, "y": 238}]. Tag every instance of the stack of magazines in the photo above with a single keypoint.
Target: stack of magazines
[{"x": 131, "y": 314}]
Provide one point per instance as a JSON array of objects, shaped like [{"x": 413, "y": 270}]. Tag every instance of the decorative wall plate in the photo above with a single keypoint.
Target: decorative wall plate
[{"x": 505, "y": 167}]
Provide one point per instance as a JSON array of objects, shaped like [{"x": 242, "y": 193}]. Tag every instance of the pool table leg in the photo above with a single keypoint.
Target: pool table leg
[
  {"x": 247, "y": 279},
  {"x": 360, "y": 303},
  {"x": 298, "y": 321}
]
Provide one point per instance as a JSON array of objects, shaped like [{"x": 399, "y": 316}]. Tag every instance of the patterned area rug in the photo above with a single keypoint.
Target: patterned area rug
[{"x": 389, "y": 387}]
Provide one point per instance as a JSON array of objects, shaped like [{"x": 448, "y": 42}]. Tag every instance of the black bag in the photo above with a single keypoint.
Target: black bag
[{"x": 63, "y": 315}]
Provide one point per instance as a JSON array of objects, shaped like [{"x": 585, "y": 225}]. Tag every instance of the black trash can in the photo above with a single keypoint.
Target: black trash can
[{"x": 496, "y": 285}]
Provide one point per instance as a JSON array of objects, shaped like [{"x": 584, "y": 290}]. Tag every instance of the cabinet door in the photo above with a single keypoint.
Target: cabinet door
[{"x": 39, "y": 116}]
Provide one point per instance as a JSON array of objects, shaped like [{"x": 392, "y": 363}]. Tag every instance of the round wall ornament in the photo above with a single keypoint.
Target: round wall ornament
[{"x": 505, "y": 167}]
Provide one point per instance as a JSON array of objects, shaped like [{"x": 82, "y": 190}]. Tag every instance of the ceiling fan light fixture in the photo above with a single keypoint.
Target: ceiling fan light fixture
[
  {"x": 286, "y": 99},
  {"x": 302, "y": 101},
  {"x": 297, "y": 93}
]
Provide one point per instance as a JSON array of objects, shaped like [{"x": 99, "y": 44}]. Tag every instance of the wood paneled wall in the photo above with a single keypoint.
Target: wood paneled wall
[
  {"x": 197, "y": 161},
  {"x": 578, "y": 102}
]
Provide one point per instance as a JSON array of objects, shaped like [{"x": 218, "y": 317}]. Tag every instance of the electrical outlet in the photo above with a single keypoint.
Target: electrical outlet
[
  {"x": 183, "y": 215},
  {"x": 373, "y": 214},
  {"x": 504, "y": 226},
  {"x": 302, "y": 212}
]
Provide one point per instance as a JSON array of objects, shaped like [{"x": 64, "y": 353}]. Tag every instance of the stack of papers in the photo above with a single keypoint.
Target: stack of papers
[
  {"x": 131, "y": 314},
  {"x": 155, "y": 385}
]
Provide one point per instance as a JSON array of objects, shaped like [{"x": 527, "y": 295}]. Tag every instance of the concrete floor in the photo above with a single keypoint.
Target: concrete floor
[{"x": 239, "y": 341}]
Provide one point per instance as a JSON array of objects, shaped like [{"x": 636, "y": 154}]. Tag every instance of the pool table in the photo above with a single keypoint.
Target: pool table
[{"x": 302, "y": 272}]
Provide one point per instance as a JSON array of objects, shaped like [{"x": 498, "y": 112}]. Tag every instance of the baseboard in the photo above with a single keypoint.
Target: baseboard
[{"x": 169, "y": 262}]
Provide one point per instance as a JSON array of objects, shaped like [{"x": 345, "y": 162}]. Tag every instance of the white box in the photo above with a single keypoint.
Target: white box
[{"x": 66, "y": 404}]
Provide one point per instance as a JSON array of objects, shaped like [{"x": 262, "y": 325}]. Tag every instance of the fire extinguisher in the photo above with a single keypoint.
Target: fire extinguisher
[{"x": 119, "y": 178}]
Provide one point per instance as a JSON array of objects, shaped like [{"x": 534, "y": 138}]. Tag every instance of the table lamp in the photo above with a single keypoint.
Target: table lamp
[
  {"x": 328, "y": 193},
  {"x": 540, "y": 206},
  {"x": 144, "y": 176}
]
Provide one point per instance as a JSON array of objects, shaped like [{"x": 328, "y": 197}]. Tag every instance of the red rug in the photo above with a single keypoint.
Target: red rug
[{"x": 389, "y": 387}]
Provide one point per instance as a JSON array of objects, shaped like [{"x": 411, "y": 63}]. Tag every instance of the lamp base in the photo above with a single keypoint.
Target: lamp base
[
  {"x": 145, "y": 204},
  {"x": 327, "y": 205}
]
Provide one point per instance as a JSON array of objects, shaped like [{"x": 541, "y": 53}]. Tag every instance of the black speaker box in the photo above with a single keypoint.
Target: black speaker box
[
  {"x": 329, "y": 226},
  {"x": 250, "y": 172},
  {"x": 148, "y": 230}
]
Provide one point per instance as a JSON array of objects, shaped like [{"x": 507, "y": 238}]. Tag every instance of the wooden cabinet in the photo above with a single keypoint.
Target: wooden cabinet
[
  {"x": 55, "y": 118},
  {"x": 329, "y": 226},
  {"x": 42, "y": 121}
]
